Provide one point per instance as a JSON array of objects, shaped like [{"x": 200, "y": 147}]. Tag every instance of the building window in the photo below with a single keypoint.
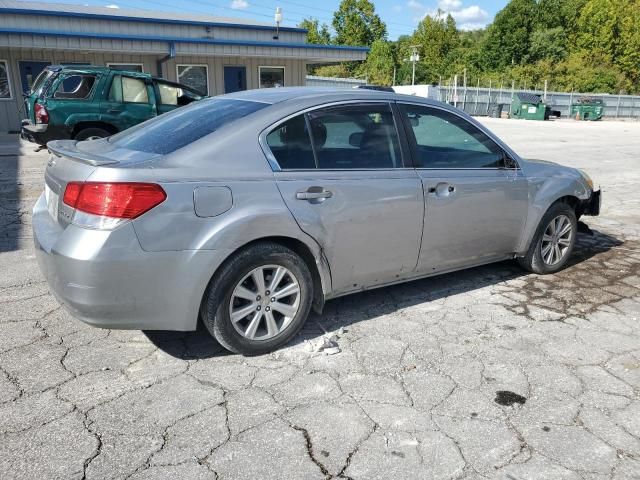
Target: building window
[
  {"x": 194, "y": 76},
  {"x": 271, "y": 77},
  {"x": 129, "y": 67},
  {"x": 5, "y": 89}
]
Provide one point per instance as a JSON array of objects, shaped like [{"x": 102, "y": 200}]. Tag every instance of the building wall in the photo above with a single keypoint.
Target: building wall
[{"x": 10, "y": 110}]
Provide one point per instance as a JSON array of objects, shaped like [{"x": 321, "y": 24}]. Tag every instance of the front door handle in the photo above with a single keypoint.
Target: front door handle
[{"x": 314, "y": 193}]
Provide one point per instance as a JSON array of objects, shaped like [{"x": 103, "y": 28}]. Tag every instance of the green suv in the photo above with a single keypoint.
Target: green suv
[{"x": 84, "y": 102}]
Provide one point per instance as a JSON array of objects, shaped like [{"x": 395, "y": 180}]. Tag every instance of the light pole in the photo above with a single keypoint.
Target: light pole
[
  {"x": 278, "y": 18},
  {"x": 413, "y": 59}
]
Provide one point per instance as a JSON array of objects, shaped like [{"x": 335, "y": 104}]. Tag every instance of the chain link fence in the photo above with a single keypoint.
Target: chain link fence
[{"x": 477, "y": 101}]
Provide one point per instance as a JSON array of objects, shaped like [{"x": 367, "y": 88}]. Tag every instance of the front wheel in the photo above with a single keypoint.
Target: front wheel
[
  {"x": 554, "y": 241},
  {"x": 92, "y": 133},
  {"x": 259, "y": 299}
]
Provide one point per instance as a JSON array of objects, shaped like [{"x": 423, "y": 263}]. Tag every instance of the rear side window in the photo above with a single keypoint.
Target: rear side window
[
  {"x": 75, "y": 86},
  {"x": 128, "y": 89},
  {"x": 354, "y": 137},
  {"x": 174, "y": 95},
  {"x": 176, "y": 129}
]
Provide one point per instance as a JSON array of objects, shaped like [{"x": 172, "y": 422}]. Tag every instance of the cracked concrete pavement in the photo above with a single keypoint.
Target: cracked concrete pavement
[{"x": 412, "y": 393}]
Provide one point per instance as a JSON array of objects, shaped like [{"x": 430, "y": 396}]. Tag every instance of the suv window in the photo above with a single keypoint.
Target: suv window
[
  {"x": 445, "y": 140},
  {"x": 76, "y": 86},
  {"x": 345, "y": 137},
  {"x": 180, "y": 127},
  {"x": 174, "y": 95},
  {"x": 128, "y": 89}
]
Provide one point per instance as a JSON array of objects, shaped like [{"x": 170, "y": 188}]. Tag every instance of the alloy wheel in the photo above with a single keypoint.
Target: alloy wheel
[
  {"x": 556, "y": 240},
  {"x": 264, "y": 302}
]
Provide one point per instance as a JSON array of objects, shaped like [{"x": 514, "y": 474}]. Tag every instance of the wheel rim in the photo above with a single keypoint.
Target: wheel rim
[
  {"x": 265, "y": 302},
  {"x": 556, "y": 240}
]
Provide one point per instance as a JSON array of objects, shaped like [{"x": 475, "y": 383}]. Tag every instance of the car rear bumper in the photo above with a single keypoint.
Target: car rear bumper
[
  {"x": 41, "y": 133},
  {"x": 105, "y": 279}
]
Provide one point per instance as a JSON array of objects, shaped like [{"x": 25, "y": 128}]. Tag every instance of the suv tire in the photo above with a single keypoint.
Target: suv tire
[
  {"x": 239, "y": 274},
  {"x": 91, "y": 133}
]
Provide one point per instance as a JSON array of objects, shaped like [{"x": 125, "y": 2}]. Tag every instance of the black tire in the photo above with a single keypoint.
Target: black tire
[
  {"x": 533, "y": 261},
  {"x": 91, "y": 132},
  {"x": 216, "y": 316}
]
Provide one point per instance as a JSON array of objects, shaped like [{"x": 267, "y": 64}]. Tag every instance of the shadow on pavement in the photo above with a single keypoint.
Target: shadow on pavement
[
  {"x": 10, "y": 216},
  {"x": 363, "y": 306}
]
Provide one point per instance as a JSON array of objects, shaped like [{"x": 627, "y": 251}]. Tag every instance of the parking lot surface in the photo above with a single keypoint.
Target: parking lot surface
[{"x": 487, "y": 373}]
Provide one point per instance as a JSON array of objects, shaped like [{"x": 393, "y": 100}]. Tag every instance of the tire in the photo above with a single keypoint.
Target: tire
[
  {"x": 534, "y": 261},
  {"x": 239, "y": 274},
  {"x": 91, "y": 133}
]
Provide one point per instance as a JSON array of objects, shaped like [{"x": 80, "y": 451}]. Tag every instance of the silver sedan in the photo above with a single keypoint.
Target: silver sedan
[{"x": 247, "y": 210}]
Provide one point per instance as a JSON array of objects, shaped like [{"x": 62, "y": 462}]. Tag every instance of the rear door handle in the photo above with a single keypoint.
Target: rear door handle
[{"x": 314, "y": 193}]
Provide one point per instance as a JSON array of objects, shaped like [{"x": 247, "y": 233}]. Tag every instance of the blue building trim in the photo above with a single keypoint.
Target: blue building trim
[
  {"x": 98, "y": 16},
  {"x": 206, "y": 41}
]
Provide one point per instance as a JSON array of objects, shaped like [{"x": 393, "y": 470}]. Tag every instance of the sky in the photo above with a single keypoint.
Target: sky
[{"x": 401, "y": 16}]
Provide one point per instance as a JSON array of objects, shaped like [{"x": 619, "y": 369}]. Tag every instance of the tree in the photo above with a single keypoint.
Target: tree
[
  {"x": 356, "y": 23},
  {"x": 508, "y": 39},
  {"x": 437, "y": 39},
  {"x": 549, "y": 43},
  {"x": 380, "y": 63},
  {"x": 316, "y": 33}
]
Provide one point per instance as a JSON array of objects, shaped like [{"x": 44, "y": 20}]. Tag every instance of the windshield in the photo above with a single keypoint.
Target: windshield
[{"x": 174, "y": 130}]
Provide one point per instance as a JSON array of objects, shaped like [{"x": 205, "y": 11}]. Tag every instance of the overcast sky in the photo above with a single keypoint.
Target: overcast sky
[{"x": 401, "y": 16}]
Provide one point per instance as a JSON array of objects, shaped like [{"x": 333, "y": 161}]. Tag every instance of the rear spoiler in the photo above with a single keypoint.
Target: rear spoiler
[{"x": 67, "y": 148}]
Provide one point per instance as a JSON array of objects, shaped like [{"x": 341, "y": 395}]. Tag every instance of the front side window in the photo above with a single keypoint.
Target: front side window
[
  {"x": 5, "y": 90},
  {"x": 194, "y": 76},
  {"x": 337, "y": 138},
  {"x": 271, "y": 77},
  {"x": 128, "y": 89},
  {"x": 75, "y": 86},
  {"x": 445, "y": 140}
]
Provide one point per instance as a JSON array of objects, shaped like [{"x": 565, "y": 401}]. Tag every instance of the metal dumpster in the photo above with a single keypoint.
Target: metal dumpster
[{"x": 587, "y": 108}]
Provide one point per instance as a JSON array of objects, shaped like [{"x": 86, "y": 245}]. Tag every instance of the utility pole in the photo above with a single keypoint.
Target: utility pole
[
  {"x": 545, "y": 91},
  {"x": 413, "y": 59}
]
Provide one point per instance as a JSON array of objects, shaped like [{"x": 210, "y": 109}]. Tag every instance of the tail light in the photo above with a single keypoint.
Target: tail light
[
  {"x": 42, "y": 115},
  {"x": 117, "y": 200}
]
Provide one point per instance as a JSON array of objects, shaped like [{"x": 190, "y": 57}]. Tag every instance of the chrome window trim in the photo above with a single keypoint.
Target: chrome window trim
[
  {"x": 480, "y": 127},
  {"x": 262, "y": 138}
]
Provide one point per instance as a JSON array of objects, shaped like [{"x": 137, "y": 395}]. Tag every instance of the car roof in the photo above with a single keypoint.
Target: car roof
[{"x": 290, "y": 94}]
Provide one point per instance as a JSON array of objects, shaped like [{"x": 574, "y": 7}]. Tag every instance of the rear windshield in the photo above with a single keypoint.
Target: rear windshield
[{"x": 185, "y": 125}]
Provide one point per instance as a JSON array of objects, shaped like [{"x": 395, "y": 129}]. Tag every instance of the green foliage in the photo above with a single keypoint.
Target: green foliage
[
  {"x": 356, "y": 23},
  {"x": 380, "y": 63},
  {"x": 316, "y": 33},
  {"x": 508, "y": 38},
  {"x": 549, "y": 43},
  {"x": 437, "y": 39}
]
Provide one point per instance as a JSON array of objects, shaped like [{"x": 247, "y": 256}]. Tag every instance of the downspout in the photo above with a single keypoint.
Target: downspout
[{"x": 166, "y": 58}]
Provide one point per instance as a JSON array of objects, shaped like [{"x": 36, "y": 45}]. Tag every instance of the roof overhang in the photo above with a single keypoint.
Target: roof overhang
[{"x": 159, "y": 45}]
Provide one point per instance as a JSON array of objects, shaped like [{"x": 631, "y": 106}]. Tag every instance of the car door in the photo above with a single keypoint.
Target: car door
[
  {"x": 129, "y": 100},
  {"x": 475, "y": 195},
  {"x": 341, "y": 173}
]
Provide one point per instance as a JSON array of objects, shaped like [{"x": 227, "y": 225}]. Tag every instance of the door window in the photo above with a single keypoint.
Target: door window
[
  {"x": 75, "y": 86},
  {"x": 445, "y": 140},
  {"x": 128, "y": 89},
  {"x": 291, "y": 145},
  {"x": 177, "y": 96}
]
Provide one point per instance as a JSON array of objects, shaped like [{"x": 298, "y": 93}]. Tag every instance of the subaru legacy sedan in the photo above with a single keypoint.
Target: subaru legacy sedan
[{"x": 245, "y": 211}]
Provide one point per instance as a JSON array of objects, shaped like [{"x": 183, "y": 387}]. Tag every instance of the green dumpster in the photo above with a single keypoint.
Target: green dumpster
[
  {"x": 528, "y": 106},
  {"x": 587, "y": 108}
]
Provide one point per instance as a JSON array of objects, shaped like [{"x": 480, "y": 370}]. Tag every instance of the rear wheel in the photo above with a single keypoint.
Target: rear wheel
[
  {"x": 554, "y": 241},
  {"x": 91, "y": 133},
  {"x": 259, "y": 299}
]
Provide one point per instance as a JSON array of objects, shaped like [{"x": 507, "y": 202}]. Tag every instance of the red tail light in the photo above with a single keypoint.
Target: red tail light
[
  {"x": 42, "y": 116},
  {"x": 115, "y": 200}
]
